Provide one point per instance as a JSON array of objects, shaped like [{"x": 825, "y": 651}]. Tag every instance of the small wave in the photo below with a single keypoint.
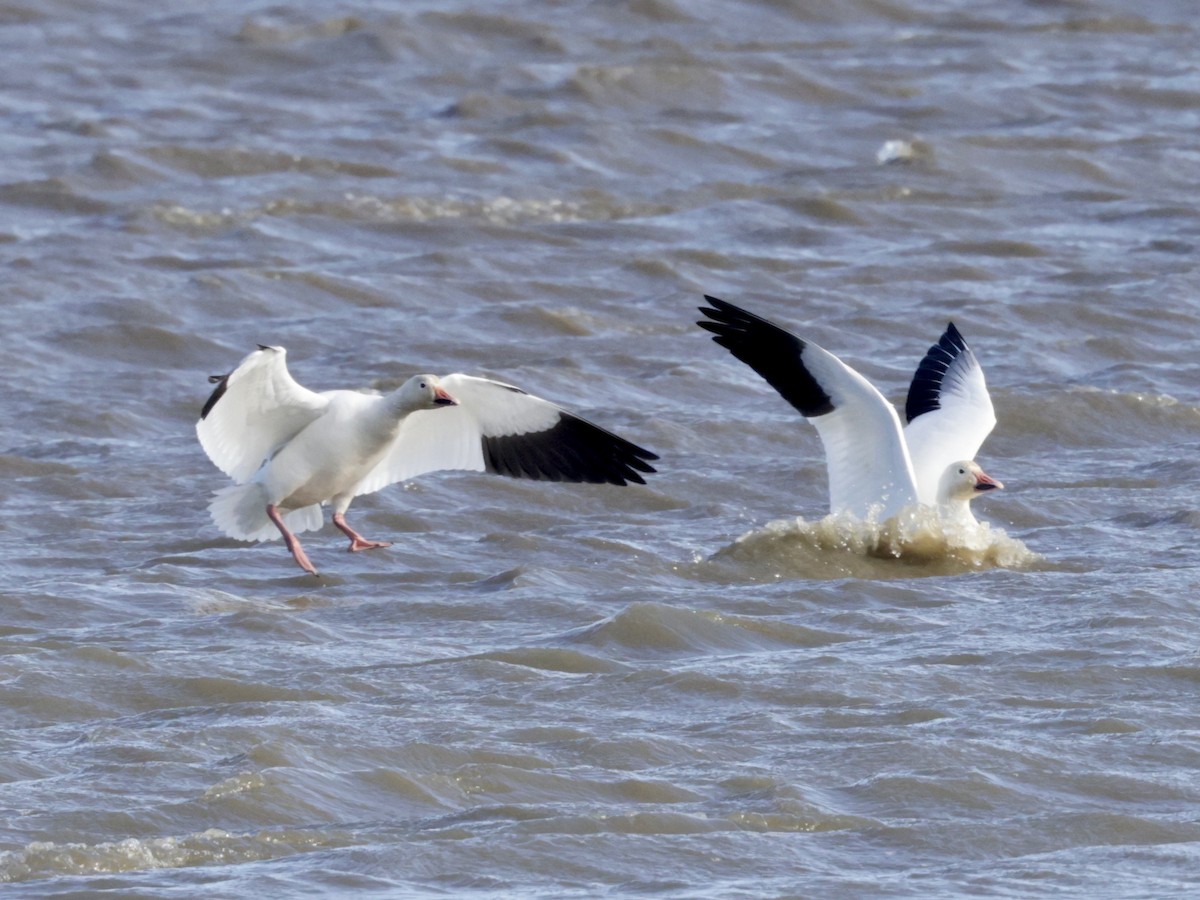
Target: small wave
[
  {"x": 46, "y": 859},
  {"x": 369, "y": 208},
  {"x": 657, "y": 85},
  {"x": 274, "y": 29},
  {"x": 655, "y": 629},
  {"x": 914, "y": 545},
  {"x": 553, "y": 659},
  {"x": 1096, "y": 417}
]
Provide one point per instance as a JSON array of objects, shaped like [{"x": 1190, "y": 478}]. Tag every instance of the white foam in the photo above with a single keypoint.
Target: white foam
[
  {"x": 895, "y": 151},
  {"x": 47, "y": 859},
  {"x": 913, "y": 544}
]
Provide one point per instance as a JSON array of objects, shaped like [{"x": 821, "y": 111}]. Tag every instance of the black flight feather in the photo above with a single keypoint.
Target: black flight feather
[
  {"x": 924, "y": 394},
  {"x": 773, "y": 353},
  {"x": 572, "y": 450},
  {"x": 221, "y": 381}
]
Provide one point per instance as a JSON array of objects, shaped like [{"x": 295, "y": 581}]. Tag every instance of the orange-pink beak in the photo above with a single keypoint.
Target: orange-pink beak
[
  {"x": 441, "y": 398},
  {"x": 985, "y": 482}
]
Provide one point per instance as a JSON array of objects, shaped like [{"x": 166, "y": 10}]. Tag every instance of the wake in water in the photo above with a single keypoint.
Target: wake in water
[{"x": 914, "y": 544}]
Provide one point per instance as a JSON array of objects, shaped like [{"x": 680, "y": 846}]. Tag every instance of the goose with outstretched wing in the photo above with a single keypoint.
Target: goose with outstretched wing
[
  {"x": 877, "y": 467},
  {"x": 290, "y": 450}
]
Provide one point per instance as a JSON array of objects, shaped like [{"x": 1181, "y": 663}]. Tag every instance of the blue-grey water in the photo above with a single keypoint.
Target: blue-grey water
[{"x": 543, "y": 690}]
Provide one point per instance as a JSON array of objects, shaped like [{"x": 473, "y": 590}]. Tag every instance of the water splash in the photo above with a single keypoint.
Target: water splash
[{"x": 916, "y": 544}]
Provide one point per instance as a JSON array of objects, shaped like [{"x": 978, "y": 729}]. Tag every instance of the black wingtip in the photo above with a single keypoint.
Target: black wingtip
[
  {"x": 925, "y": 391},
  {"x": 724, "y": 312},
  {"x": 572, "y": 450},
  {"x": 771, "y": 351},
  {"x": 716, "y": 302},
  {"x": 221, "y": 381}
]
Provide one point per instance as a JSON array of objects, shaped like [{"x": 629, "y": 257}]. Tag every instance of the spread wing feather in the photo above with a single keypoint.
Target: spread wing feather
[
  {"x": 253, "y": 411},
  {"x": 949, "y": 411},
  {"x": 499, "y": 428},
  {"x": 865, "y": 454}
]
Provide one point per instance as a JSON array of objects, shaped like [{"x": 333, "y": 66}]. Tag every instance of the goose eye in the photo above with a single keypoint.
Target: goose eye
[
  {"x": 962, "y": 471},
  {"x": 424, "y": 385}
]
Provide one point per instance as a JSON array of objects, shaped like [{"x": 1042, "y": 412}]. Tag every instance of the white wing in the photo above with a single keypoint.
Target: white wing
[
  {"x": 869, "y": 470},
  {"x": 254, "y": 410},
  {"x": 499, "y": 428},
  {"x": 948, "y": 409}
]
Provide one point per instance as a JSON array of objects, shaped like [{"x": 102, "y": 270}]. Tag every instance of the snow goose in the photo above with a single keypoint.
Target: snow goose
[
  {"x": 876, "y": 469},
  {"x": 290, "y": 450}
]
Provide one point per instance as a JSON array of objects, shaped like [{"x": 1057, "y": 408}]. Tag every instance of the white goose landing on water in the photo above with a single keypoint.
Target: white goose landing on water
[
  {"x": 291, "y": 450},
  {"x": 877, "y": 469}
]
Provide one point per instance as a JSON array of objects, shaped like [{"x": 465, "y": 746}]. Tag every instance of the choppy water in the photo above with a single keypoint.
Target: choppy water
[{"x": 547, "y": 690}]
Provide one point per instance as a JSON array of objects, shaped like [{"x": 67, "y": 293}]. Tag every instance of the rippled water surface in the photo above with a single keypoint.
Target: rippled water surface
[{"x": 696, "y": 688}]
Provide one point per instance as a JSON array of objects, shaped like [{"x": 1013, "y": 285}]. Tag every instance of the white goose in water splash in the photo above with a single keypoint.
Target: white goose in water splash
[
  {"x": 876, "y": 469},
  {"x": 291, "y": 450}
]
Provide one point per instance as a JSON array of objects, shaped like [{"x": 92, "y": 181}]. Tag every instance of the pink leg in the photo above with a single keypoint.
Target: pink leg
[
  {"x": 357, "y": 541},
  {"x": 290, "y": 539}
]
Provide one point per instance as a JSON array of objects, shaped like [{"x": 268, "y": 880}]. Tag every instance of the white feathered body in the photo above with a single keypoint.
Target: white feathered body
[
  {"x": 294, "y": 449},
  {"x": 325, "y": 462},
  {"x": 328, "y": 459}
]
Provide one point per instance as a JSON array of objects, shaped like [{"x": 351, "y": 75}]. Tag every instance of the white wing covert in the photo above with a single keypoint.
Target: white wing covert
[
  {"x": 501, "y": 429},
  {"x": 949, "y": 411},
  {"x": 253, "y": 411},
  {"x": 868, "y": 466},
  {"x": 869, "y": 469}
]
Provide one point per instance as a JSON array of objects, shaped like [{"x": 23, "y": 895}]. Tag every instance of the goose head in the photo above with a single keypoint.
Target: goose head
[
  {"x": 423, "y": 392},
  {"x": 962, "y": 482}
]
